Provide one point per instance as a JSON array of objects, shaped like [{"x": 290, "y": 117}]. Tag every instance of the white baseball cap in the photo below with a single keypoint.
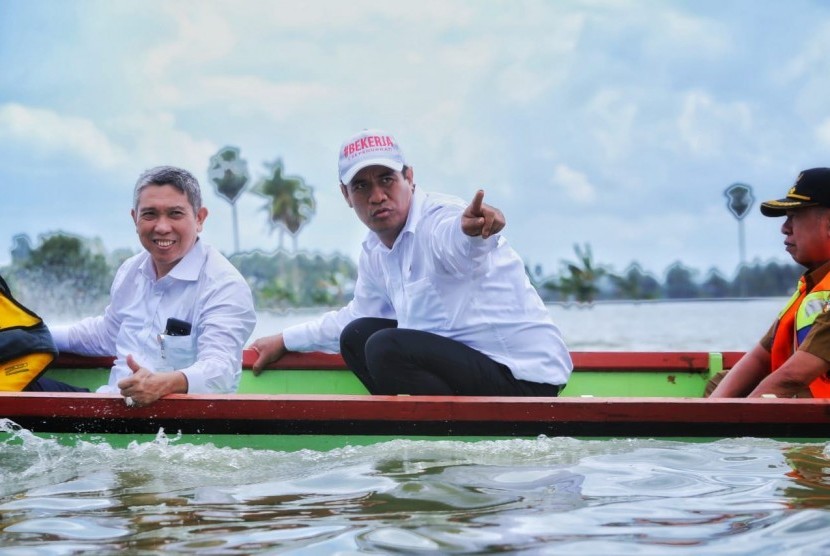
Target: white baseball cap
[{"x": 370, "y": 147}]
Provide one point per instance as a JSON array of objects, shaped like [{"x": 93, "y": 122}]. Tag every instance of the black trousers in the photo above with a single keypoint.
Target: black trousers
[
  {"x": 50, "y": 385},
  {"x": 392, "y": 360}
]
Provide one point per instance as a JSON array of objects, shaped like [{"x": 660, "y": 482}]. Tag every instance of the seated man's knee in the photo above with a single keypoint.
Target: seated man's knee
[
  {"x": 353, "y": 334},
  {"x": 351, "y": 329},
  {"x": 383, "y": 348},
  {"x": 359, "y": 330}
]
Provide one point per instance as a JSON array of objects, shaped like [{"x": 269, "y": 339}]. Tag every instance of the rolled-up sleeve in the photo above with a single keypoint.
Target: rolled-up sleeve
[{"x": 323, "y": 334}]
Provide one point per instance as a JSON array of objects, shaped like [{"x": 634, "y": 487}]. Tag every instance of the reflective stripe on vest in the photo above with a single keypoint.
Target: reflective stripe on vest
[
  {"x": 794, "y": 323},
  {"x": 26, "y": 346}
]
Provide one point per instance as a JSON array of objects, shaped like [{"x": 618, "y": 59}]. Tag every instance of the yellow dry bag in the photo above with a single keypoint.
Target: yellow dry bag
[{"x": 26, "y": 346}]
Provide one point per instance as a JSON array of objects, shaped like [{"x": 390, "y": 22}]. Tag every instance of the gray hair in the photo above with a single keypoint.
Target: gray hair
[{"x": 170, "y": 175}]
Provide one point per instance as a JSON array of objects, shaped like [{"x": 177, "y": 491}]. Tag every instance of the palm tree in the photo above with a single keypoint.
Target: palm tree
[
  {"x": 582, "y": 277},
  {"x": 229, "y": 174},
  {"x": 291, "y": 204},
  {"x": 635, "y": 284}
]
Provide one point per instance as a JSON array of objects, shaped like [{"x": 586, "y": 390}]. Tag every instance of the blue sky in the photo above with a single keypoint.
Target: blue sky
[{"x": 618, "y": 124}]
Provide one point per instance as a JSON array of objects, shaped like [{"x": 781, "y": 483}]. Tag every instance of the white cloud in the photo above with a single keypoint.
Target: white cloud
[
  {"x": 276, "y": 16},
  {"x": 202, "y": 35},
  {"x": 249, "y": 94},
  {"x": 155, "y": 138},
  {"x": 150, "y": 139},
  {"x": 708, "y": 127},
  {"x": 575, "y": 184},
  {"x": 674, "y": 33},
  {"x": 532, "y": 66},
  {"x": 810, "y": 61},
  {"x": 48, "y": 133},
  {"x": 613, "y": 115}
]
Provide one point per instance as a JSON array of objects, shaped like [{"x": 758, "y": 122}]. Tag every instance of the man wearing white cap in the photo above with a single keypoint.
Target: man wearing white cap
[{"x": 442, "y": 304}]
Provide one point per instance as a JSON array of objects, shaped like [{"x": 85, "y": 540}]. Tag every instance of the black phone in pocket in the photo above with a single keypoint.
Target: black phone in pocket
[{"x": 176, "y": 327}]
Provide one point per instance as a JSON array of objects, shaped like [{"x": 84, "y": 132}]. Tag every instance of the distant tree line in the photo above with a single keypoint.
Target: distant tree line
[
  {"x": 585, "y": 281},
  {"x": 284, "y": 280},
  {"x": 63, "y": 276},
  {"x": 69, "y": 275}
]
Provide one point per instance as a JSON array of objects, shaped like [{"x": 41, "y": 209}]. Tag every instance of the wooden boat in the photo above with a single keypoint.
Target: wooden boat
[{"x": 313, "y": 401}]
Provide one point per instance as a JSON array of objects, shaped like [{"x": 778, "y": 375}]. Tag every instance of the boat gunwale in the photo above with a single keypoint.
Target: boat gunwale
[
  {"x": 347, "y": 416},
  {"x": 584, "y": 361},
  {"x": 352, "y": 415},
  {"x": 418, "y": 408}
]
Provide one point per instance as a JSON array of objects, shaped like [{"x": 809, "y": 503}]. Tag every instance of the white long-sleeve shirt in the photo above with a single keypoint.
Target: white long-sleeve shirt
[
  {"x": 203, "y": 289},
  {"x": 437, "y": 279}
]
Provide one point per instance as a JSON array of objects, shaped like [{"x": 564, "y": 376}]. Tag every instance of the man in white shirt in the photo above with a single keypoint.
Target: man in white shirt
[
  {"x": 442, "y": 304},
  {"x": 179, "y": 313}
]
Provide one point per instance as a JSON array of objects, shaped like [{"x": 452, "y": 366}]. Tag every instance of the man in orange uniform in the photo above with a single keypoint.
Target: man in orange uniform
[{"x": 794, "y": 355}]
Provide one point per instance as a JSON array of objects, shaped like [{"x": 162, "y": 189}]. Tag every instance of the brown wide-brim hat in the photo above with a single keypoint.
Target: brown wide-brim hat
[{"x": 811, "y": 189}]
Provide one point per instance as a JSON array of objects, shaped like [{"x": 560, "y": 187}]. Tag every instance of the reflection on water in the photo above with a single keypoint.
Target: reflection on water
[{"x": 548, "y": 495}]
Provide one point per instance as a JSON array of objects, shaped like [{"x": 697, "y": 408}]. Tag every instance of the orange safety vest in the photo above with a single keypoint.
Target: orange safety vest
[{"x": 794, "y": 323}]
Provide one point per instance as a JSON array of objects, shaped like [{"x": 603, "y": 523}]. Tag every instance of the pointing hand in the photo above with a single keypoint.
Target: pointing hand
[{"x": 480, "y": 219}]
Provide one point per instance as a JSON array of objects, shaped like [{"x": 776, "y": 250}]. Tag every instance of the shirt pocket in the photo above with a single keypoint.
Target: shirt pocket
[
  {"x": 425, "y": 309},
  {"x": 177, "y": 352}
]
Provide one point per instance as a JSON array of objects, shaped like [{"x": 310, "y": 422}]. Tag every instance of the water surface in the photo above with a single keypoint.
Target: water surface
[{"x": 538, "y": 496}]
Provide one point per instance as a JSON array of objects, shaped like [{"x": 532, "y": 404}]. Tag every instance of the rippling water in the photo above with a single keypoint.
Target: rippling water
[
  {"x": 540, "y": 496},
  {"x": 536, "y": 496}
]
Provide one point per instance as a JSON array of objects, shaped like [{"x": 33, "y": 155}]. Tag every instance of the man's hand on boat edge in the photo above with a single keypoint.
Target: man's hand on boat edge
[
  {"x": 145, "y": 387},
  {"x": 268, "y": 349}
]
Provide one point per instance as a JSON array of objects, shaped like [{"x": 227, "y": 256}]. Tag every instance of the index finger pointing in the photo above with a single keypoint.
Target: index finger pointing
[{"x": 475, "y": 206}]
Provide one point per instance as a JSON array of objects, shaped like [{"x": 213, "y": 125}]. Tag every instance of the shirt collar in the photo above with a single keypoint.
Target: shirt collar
[
  {"x": 371, "y": 241},
  {"x": 813, "y": 277},
  {"x": 186, "y": 269}
]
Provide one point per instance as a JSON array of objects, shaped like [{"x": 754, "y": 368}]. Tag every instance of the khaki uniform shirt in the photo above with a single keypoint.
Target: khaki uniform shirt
[{"x": 817, "y": 341}]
